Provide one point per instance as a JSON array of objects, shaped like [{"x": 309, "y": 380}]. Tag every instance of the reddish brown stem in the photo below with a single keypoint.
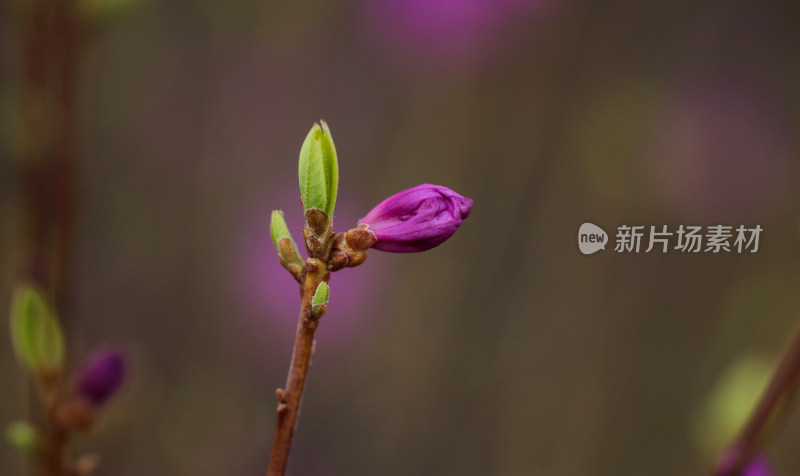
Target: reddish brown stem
[
  {"x": 51, "y": 51},
  {"x": 53, "y": 454},
  {"x": 768, "y": 414},
  {"x": 69, "y": 40},
  {"x": 52, "y": 45},
  {"x": 291, "y": 396}
]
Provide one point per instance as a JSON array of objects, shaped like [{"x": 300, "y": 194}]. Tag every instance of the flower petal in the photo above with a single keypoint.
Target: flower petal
[{"x": 417, "y": 219}]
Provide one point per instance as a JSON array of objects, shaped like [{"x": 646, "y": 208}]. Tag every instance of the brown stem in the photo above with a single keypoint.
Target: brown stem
[
  {"x": 48, "y": 144},
  {"x": 51, "y": 45},
  {"x": 768, "y": 414},
  {"x": 53, "y": 455},
  {"x": 69, "y": 40},
  {"x": 35, "y": 130},
  {"x": 55, "y": 460},
  {"x": 289, "y": 398}
]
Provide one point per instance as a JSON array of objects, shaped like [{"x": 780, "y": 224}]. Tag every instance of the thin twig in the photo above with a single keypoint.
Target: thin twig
[
  {"x": 291, "y": 396},
  {"x": 53, "y": 454},
  {"x": 768, "y": 414},
  {"x": 52, "y": 47}
]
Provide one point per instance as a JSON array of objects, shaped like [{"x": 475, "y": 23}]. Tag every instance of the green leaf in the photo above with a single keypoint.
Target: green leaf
[
  {"x": 284, "y": 244},
  {"x": 278, "y": 228},
  {"x": 35, "y": 332},
  {"x": 23, "y": 436},
  {"x": 733, "y": 397},
  {"x": 318, "y": 170},
  {"x": 321, "y": 295}
]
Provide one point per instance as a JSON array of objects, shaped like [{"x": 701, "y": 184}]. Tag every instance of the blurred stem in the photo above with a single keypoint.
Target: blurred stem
[
  {"x": 289, "y": 398},
  {"x": 769, "y": 413},
  {"x": 54, "y": 461},
  {"x": 51, "y": 48},
  {"x": 65, "y": 153}
]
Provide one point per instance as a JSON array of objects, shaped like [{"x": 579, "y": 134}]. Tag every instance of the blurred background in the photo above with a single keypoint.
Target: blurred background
[{"x": 504, "y": 351}]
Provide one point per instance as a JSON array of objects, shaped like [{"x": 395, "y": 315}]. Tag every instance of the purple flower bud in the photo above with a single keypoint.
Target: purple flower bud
[
  {"x": 417, "y": 219},
  {"x": 101, "y": 376}
]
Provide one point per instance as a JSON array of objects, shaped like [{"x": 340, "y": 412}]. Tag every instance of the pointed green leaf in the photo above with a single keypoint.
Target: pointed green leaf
[
  {"x": 287, "y": 248},
  {"x": 35, "y": 332},
  {"x": 278, "y": 228},
  {"x": 318, "y": 170},
  {"x": 321, "y": 295}
]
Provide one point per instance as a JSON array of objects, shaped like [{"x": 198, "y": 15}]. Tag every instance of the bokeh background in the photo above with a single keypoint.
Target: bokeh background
[{"x": 504, "y": 351}]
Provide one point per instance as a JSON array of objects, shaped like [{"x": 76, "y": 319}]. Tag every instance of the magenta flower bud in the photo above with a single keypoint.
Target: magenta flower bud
[
  {"x": 417, "y": 219},
  {"x": 101, "y": 376}
]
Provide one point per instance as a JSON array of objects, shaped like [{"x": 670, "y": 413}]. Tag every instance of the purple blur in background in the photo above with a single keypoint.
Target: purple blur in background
[
  {"x": 417, "y": 219},
  {"x": 268, "y": 295},
  {"x": 758, "y": 466},
  {"x": 721, "y": 151},
  {"x": 448, "y": 32},
  {"x": 101, "y": 377}
]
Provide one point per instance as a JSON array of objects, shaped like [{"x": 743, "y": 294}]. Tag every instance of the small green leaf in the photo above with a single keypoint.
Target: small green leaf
[
  {"x": 285, "y": 245},
  {"x": 35, "y": 332},
  {"x": 319, "y": 170},
  {"x": 321, "y": 294},
  {"x": 732, "y": 399},
  {"x": 23, "y": 436},
  {"x": 278, "y": 228}
]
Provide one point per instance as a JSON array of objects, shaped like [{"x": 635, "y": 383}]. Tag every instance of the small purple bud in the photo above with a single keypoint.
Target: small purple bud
[
  {"x": 101, "y": 376},
  {"x": 417, "y": 219}
]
